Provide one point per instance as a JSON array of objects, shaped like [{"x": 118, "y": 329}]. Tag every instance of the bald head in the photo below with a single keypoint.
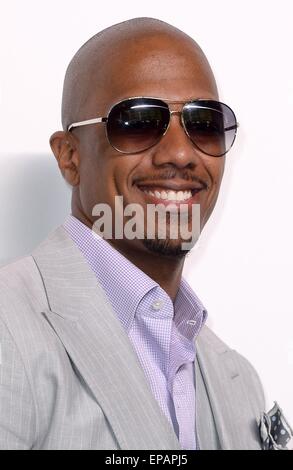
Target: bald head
[{"x": 131, "y": 49}]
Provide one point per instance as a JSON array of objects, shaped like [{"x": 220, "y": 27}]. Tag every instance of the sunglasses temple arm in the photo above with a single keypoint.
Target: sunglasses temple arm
[{"x": 85, "y": 123}]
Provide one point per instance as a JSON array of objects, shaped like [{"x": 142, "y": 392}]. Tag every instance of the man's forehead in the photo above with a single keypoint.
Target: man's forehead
[
  {"x": 159, "y": 58},
  {"x": 163, "y": 73}
]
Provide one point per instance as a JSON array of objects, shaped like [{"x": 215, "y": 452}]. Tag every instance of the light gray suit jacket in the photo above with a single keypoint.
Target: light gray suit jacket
[{"x": 70, "y": 378}]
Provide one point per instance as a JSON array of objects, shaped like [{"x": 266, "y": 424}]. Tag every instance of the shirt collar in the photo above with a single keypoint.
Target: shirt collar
[
  {"x": 115, "y": 272},
  {"x": 126, "y": 285}
]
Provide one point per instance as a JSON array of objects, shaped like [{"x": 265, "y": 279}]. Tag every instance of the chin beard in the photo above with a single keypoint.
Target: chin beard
[{"x": 165, "y": 247}]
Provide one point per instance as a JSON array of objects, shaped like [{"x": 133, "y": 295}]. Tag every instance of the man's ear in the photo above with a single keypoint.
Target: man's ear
[{"x": 67, "y": 156}]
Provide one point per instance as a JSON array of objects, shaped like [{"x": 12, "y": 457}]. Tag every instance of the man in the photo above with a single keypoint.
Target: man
[{"x": 104, "y": 344}]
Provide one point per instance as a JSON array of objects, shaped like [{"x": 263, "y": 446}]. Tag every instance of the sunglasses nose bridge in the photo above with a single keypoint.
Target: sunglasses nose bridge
[
  {"x": 175, "y": 112},
  {"x": 182, "y": 123},
  {"x": 180, "y": 113}
]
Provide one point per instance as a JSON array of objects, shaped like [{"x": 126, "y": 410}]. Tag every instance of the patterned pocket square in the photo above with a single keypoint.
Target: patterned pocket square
[{"x": 275, "y": 431}]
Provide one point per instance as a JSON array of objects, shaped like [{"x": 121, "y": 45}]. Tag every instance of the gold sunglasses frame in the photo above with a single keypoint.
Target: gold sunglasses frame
[{"x": 166, "y": 101}]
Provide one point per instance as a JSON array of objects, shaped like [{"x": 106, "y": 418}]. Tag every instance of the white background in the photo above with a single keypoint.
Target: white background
[{"x": 242, "y": 266}]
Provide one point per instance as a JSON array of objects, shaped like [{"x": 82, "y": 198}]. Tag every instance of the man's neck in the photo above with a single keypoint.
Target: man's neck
[{"x": 165, "y": 270}]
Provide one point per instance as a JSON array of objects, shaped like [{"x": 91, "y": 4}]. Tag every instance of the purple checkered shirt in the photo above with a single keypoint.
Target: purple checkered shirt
[{"x": 162, "y": 333}]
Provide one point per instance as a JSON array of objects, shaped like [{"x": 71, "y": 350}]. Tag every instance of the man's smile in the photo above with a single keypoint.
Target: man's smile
[{"x": 175, "y": 192}]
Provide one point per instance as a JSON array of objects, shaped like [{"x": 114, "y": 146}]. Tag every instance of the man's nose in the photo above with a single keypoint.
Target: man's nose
[{"x": 175, "y": 146}]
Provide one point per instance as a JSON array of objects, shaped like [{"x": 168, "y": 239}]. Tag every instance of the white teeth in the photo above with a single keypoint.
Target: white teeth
[{"x": 171, "y": 195}]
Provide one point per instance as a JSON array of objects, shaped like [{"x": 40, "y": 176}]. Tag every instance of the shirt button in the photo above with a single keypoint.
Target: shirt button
[
  {"x": 157, "y": 304},
  {"x": 191, "y": 322}
]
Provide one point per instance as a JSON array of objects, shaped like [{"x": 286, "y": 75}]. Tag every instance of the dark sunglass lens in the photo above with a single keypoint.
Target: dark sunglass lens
[
  {"x": 211, "y": 126},
  {"x": 136, "y": 124}
]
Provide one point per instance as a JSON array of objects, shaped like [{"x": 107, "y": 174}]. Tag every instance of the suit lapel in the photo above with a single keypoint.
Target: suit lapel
[
  {"x": 226, "y": 384},
  {"x": 207, "y": 436},
  {"x": 96, "y": 342}
]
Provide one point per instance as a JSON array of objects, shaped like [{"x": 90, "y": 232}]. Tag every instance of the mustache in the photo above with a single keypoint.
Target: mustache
[{"x": 172, "y": 174}]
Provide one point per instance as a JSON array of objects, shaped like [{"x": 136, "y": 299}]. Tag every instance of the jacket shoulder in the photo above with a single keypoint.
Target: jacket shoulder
[{"x": 20, "y": 281}]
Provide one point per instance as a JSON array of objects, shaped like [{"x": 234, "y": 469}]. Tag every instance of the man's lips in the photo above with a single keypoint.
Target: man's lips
[{"x": 171, "y": 192}]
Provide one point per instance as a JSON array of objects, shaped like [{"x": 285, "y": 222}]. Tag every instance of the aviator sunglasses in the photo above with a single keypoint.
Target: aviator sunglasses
[{"x": 137, "y": 124}]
